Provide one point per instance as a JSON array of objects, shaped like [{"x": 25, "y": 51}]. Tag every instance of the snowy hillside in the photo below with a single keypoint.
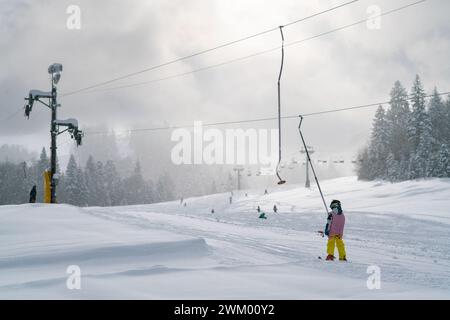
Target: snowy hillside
[{"x": 171, "y": 251}]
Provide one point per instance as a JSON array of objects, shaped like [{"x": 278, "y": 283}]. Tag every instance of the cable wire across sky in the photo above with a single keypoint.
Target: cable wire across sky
[
  {"x": 207, "y": 50},
  {"x": 87, "y": 89},
  {"x": 293, "y": 43},
  {"x": 332, "y": 110}
]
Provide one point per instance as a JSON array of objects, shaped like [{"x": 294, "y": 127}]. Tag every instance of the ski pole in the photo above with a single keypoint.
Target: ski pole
[
  {"x": 310, "y": 162},
  {"x": 281, "y": 181}
]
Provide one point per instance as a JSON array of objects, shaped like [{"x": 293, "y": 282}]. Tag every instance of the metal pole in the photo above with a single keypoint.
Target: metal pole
[
  {"x": 239, "y": 179},
  {"x": 281, "y": 181},
  {"x": 238, "y": 172},
  {"x": 53, "y": 133},
  {"x": 310, "y": 151},
  {"x": 307, "y": 183},
  {"x": 54, "y": 70},
  {"x": 312, "y": 167}
]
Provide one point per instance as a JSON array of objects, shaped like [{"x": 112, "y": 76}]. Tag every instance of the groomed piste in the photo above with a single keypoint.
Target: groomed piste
[{"x": 171, "y": 251}]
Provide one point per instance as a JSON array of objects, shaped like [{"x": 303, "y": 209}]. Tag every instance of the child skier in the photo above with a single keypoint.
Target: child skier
[{"x": 335, "y": 231}]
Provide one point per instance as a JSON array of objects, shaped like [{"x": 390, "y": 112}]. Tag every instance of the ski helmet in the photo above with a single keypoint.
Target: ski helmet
[{"x": 335, "y": 203}]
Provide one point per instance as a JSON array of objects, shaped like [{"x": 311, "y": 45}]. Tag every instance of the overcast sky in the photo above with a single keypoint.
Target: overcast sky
[{"x": 351, "y": 67}]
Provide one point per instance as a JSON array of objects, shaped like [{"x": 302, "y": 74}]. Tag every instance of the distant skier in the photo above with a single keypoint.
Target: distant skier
[
  {"x": 231, "y": 200},
  {"x": 335, "y": 231},
  {"x": 275, "y": 209},
  {"x": 262, "y": 215},
  {"x": 33, "y": 194},
  {"x": 258, "y": 209},
  {"x": 212, "y": 210},
  {"x": 265, "y": 192}
]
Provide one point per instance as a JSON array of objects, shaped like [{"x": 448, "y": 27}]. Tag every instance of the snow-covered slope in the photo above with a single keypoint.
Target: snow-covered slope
[{"x": 171, "y": 251}]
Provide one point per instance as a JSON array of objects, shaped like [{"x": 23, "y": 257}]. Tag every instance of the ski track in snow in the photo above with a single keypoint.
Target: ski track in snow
[
  {"x": 410, "y": 258},
  {"x": 402, "y": 228}
]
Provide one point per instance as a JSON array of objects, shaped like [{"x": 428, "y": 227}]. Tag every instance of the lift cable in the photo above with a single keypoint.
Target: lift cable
[
  {"x": 206, "y": 50},
  {"x": 211, "y": 124},
  {"x": 297, "y": 42}
]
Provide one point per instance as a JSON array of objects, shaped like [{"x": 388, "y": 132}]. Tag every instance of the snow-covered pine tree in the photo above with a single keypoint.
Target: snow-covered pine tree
[
  {"x": 61, "y": 192},
  {"x": 159, "y": 190},
  {"x": 101, "y": 194},
  {"x": 363, "y": 165},
  {"x": 439, "y": 122},
  {"x": 4, "y": 196},
  {"x": 72, "y": 185},
  {"x": 447, "y": 120},
  {"x": 439, "y": 128},
  {"x": 114, "y": 189},
  {"x": 134, "y": 186},
  {"x": 378, "y": 147},
  {"x": 27, "y": 182},
  {"x": 165, "y": 188},
  {"x": 12, "y": 188},
  {"x": 442, "y": 168},
  {"x": 397, "y": 118},
  {"x": 424, "y": 152},
  {"x": 420, "y": 134},
  {"x": 91, "y": 181},
  {"x": 393, "y": 168},
  {"x": 42, "y": 165},
  {"x": 418, "y": 113},
  {"x": 83, "y": 192},
  {"x": 149, "y": 192}
]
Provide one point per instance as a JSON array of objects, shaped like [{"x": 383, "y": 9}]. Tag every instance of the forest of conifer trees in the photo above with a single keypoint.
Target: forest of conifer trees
[
  {"x": 410, "y": 139},
  {"x": 96, "y": 184}
]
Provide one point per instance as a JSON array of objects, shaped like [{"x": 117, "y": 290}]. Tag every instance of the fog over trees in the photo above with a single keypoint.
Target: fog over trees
[
  {"x": 410, "y": 139},
  {"x": 96, "y": 183}
]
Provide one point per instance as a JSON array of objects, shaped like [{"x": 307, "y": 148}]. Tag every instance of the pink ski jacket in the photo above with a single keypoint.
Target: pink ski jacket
[{"x": 337, "y": 225}]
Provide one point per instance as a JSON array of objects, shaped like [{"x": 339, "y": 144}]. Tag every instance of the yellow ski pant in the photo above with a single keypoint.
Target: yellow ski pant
[{"x": 336, "y": 241}]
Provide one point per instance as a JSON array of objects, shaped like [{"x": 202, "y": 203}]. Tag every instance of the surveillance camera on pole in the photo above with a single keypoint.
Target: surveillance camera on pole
[
  {"x": 72, "y": 128},
  {"x": 72, "y": 124}
]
